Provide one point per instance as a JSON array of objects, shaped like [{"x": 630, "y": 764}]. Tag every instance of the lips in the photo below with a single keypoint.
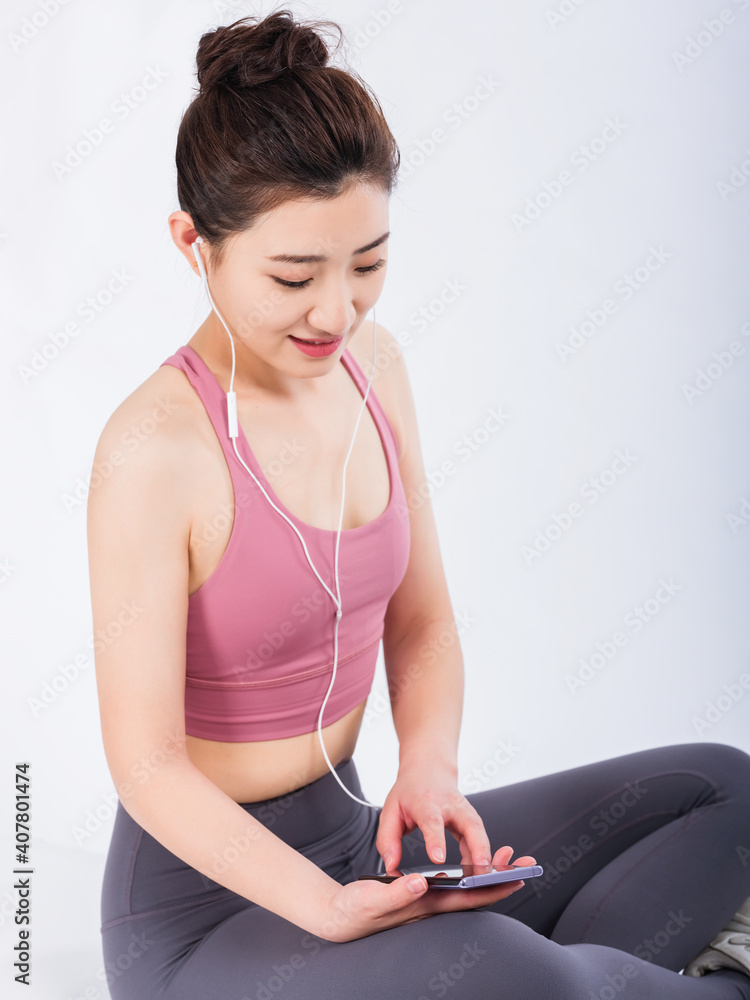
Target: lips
[{"x": 304, "y": 340}]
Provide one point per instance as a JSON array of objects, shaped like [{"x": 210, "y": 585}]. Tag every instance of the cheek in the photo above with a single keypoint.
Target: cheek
[{"x": 260, "y": 310}]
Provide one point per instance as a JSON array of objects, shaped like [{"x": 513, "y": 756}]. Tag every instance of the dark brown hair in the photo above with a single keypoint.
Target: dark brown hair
[{"x": 273, "y": 121}]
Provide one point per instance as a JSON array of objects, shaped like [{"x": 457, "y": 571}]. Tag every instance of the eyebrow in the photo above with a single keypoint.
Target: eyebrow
[{"x": 316, "y": 258}]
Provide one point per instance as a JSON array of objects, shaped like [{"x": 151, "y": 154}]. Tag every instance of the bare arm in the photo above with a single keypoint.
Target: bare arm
[
  {"x": 138, "y": 528},
  {"x": 425, "y": 670}
]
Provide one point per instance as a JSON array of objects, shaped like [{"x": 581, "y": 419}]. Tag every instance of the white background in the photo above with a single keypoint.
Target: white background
[{"x": 556, "y": 81}]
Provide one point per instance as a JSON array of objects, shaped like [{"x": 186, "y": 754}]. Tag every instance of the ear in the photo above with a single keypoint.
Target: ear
[{"x": 183, "y": 234}]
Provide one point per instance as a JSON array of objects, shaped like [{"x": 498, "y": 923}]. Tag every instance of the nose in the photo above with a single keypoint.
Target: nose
[{"x": 335, "y": 313}]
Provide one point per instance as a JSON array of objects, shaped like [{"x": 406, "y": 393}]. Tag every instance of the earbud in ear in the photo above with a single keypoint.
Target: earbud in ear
[{"x": 198, "y": 259}]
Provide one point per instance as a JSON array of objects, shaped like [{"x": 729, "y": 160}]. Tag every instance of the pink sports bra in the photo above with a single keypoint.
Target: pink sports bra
[{"x": 260, "y": 628}]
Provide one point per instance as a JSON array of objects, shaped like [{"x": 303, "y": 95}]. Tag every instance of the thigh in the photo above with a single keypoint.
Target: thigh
[
  {"x": 578, "y": 821},
  {"x": 256, "y": 955}
]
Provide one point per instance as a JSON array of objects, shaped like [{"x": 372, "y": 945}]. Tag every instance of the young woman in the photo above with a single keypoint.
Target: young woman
[{"x": 259, "y": 590}]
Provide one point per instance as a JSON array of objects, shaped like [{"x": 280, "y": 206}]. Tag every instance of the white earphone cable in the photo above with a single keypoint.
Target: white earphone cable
[{"x": 233, "y": 428}]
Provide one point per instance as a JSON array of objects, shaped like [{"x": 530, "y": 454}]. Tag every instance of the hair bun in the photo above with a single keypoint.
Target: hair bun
[{"x": 246, "y": 54}]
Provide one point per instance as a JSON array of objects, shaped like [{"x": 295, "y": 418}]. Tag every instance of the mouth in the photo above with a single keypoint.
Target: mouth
[
  {"x": 317, "y": 347},
  {"x": 327, "y": 340}
]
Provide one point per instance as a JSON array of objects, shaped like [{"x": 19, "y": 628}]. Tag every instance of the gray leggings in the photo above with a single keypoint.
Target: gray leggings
[{"x": 646, "y": 857}]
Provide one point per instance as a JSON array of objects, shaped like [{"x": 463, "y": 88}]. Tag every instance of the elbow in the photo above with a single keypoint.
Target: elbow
[{"x": 133, "y": 772}]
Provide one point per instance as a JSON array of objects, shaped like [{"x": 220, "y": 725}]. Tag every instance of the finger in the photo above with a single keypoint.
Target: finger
[
  {"x": 502, "y": 856},
  {"x": 430, "y": 822},
  {"x": 403, "y": 891},
  {"x": 448, "y": 900},
  {"x": 465, "y": 852},
  {"x": 525, "y": 860},
  {"x": 388, "y": 841},
  {"x": 468, "y": 828}
]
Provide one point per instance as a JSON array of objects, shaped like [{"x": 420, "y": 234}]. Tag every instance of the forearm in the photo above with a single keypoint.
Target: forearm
[
  {"x": 425, "y": 682},
  {"x": 189, "y": 815}
]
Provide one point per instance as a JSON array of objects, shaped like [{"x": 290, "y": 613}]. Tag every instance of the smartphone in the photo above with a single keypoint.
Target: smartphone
[{"x": 462, "y": 876}]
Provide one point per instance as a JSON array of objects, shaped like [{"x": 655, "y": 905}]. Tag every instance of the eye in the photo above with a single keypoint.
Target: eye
[
  {"x": 292, "y": 284},
  {"x": 303, "y": 284},
  {"x": 373, "y": 267}
]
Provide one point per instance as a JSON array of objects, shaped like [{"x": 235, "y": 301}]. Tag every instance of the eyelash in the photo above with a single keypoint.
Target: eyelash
[{"x": 303, "y": 284}]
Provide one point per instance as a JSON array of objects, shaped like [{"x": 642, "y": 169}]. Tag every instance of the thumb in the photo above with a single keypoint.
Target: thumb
[{"x": 405, "y": 890}]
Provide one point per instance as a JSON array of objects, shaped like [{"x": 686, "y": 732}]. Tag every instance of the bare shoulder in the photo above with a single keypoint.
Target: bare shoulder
[
  {"x": 161, "y": 414},
  {"x": 152, "y": 450},
  {"x": 390, "y": 382}
]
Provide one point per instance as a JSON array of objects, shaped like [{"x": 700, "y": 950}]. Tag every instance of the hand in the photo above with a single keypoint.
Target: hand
[
  {"x": 358, "y": 909},
  {"x": 429, "y": 799}
]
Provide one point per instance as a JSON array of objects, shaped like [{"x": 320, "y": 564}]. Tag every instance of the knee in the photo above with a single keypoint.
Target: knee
[
  {"x": 727, "y": 764},
  {"x": 724, "y": 767}
]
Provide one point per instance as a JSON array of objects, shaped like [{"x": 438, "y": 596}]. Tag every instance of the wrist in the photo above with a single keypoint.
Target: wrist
[
  {"x": 430, "y": 758},
  {"x": 312, "y": 910},
  {"x": 330, "y": 921}
]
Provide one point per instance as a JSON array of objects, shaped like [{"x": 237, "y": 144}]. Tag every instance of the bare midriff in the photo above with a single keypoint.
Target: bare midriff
[{"x": 250, "y": 772}]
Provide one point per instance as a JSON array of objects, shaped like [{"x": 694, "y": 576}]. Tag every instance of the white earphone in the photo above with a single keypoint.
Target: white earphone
[{"x": 233, "y": 434}]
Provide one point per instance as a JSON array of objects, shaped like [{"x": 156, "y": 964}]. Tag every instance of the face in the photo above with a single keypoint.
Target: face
[{"x": 266, "y": 302}]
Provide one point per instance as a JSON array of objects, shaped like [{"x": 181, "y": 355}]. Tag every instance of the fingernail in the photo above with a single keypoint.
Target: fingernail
[
  {"x": 439, "y": 854},
  {"x": 416, "y": 884},
  {"x": 387, "y": 860},
  {"x": 483, "y": 861}
]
